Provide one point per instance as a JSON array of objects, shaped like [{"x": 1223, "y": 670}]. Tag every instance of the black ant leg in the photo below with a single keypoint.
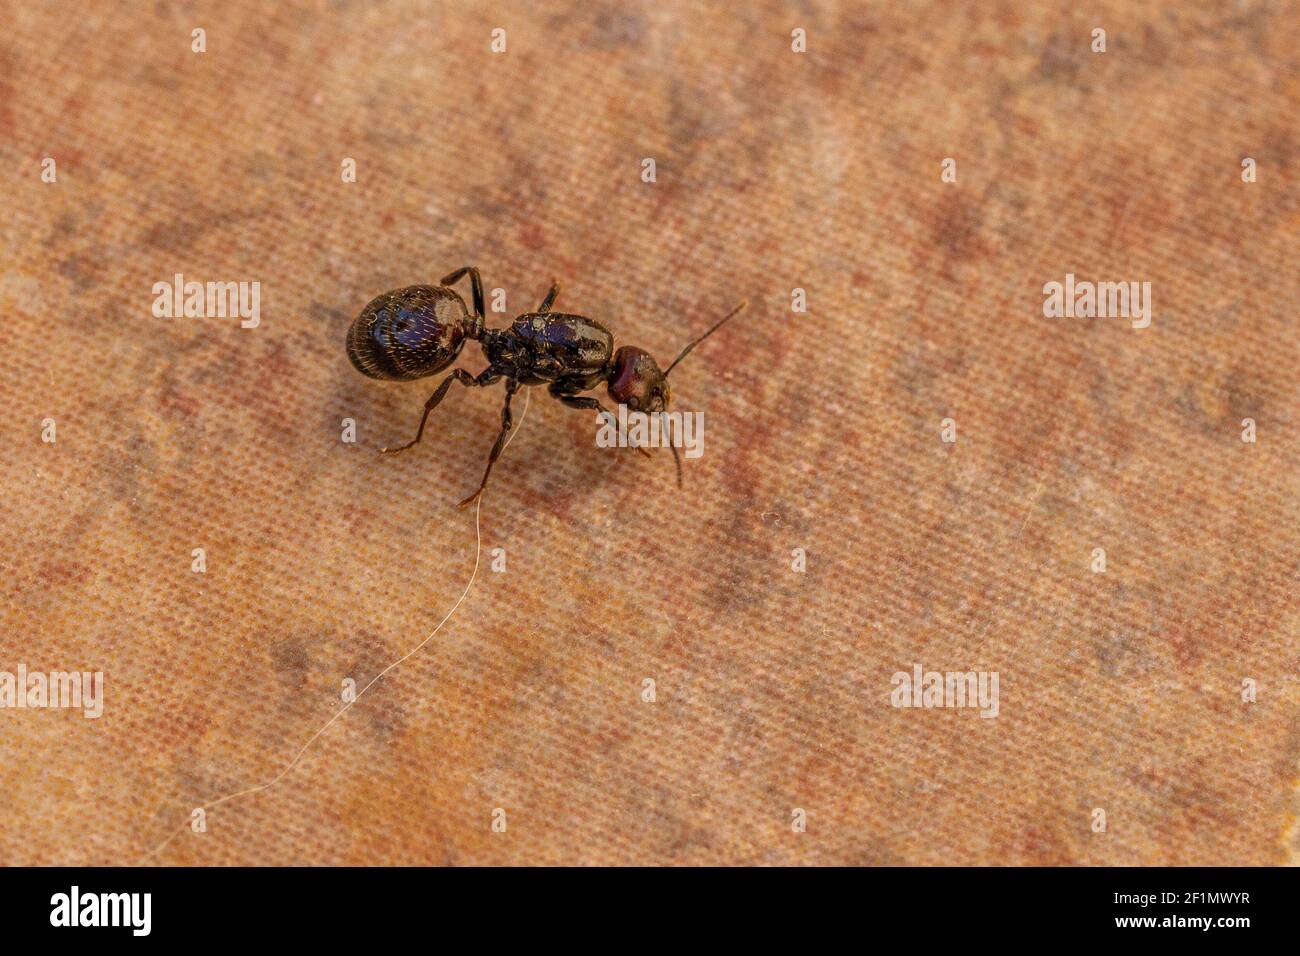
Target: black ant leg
[
  {"x": 550, "y": 297},
  {"x": 506, "y": 423},
  {"x": 586, "y": 401},
  {"x": 457, "y": 375},
  {"x": 476, "y": 288}
]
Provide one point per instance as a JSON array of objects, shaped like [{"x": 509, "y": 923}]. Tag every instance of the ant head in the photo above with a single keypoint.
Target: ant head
[{"x": 636, "y": 381}]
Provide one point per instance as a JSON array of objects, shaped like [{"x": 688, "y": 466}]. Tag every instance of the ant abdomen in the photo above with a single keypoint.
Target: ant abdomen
[{"x": 410, "y": 333}]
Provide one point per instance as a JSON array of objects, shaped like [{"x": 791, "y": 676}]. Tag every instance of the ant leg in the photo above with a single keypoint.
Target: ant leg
[
  {"x": 476, "y": 287},
  {"x": 586, "y": 401},
  {"x": 458, "y": 375},
  {"x": 506, "y": 424},
  {"x": 550, "y": 297}
]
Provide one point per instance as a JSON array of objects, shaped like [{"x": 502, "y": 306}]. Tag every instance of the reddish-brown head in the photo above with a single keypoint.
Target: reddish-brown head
[{"x": 636, "y": 381}]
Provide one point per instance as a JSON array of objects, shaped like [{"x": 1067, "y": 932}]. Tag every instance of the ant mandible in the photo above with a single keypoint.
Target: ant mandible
[{"x": 419, "y": 330}]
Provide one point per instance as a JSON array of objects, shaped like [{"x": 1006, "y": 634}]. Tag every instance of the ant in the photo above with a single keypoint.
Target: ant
[{"x": 419, "y": 330}]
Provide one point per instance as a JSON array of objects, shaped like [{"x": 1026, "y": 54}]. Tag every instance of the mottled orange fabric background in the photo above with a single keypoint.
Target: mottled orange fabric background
[{"x": 775, "y": 171}]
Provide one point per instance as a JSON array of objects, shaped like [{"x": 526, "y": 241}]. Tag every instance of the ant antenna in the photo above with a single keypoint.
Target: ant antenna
[{"x": 686, "y": 351}]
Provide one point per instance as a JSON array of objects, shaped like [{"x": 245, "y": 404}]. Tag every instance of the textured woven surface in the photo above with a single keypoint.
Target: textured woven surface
[{"x": 775, "y": 170}]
